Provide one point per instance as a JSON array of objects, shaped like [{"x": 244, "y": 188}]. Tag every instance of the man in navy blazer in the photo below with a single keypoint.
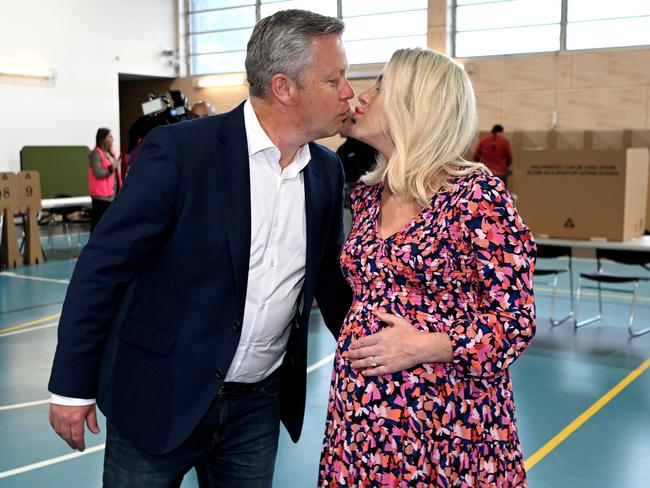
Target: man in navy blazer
[{"x": 186, "y": 316}]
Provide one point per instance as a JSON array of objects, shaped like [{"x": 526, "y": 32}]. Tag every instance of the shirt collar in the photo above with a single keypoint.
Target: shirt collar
[{"x": 259, "y": 141}]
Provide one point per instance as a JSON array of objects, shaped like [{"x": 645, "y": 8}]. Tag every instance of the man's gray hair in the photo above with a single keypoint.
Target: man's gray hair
[{"x": 281, "y": 43}]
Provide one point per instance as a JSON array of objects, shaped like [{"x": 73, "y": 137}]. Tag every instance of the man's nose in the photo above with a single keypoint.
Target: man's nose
[{"x": 347, "y": 92}]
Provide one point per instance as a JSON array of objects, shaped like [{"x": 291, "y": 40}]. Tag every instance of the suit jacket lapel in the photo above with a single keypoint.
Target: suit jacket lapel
[
  {"x": 231, "y": 159},
  {"x": 313, "y": 204},
  {"x": 233, "y": 169}
]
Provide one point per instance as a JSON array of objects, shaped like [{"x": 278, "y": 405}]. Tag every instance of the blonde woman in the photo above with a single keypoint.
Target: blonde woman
[{"x": 441, "y": 267}]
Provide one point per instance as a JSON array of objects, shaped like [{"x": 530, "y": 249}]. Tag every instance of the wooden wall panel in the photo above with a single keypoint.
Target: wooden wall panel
[
  {"x": 437, "y": 10},
  {"x": 564, "y": 71},
  {"x": 620, "y": 68},
  {"x": 592, "y": 90},
  {"x": 439, "y": 32},
  {"x": 589, "y": 90},
  {"x": 530, "y": 109},
  {"x": 488, "y": 105},
  {"x": 647, "y": 111},
  {"x": 602, "y": 109},
  {"x": 437, "y": 38},
  {"x": 538, "y": 72}
]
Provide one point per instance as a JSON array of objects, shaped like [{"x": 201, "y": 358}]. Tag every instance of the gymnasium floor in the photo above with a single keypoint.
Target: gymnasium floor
[{"x": 583, "y": 399}]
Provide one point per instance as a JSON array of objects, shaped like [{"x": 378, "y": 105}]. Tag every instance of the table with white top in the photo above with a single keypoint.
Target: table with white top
[
  {"x": 641, "y": 243},
  {"x": 50, "y": 203}
]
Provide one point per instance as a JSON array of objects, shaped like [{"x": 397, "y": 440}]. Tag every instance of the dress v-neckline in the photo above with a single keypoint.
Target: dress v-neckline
[{"x": 409, "y": 224}]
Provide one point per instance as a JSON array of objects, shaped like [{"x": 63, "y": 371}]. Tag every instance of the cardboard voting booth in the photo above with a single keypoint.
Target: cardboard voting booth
[
  {"x": 584, "y": 193},
  {"x": 29, "y": 197},
  {"x": 9, "y": 254},
  {"x": 525, "y": 141}
]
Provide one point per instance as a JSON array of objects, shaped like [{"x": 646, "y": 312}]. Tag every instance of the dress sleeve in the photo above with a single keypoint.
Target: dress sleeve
[{"x": 503, "y": 324}]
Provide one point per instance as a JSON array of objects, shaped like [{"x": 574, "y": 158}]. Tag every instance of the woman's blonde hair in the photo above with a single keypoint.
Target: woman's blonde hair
[{"x": 430, "y": 116}]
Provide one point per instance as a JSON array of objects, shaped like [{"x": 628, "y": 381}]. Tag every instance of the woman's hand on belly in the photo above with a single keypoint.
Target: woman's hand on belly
[{"x": 397, "y": 347}]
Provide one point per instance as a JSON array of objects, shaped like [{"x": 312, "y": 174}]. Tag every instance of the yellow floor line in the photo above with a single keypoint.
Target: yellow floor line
[
  {"x": 27, "y": 324},
  {"x": 584, "y": 416}
]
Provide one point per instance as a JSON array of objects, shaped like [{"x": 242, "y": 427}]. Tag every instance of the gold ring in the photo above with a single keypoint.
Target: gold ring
[{"x": 373, "y": 363}]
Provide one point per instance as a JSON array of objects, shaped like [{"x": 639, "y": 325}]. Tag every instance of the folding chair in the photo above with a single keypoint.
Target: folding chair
[
  {"x": 64, "y": 213},
  {"x": 638, "y": 258},
  {"x": 554, "y": 252}
]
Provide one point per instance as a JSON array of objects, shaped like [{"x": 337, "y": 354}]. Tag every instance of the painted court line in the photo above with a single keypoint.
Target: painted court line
[
  {"x": 23, "y": 405},
  {"x": 6, "y": 330},
  {"x": 586, "y": 415},
  {"x": 26, "y": 309},
  {"x": 48, "y": 462},
  {"x": 9, "y": 274},
  {"x": 31, "y": 329},
  {"x": 323, "y": 362}
]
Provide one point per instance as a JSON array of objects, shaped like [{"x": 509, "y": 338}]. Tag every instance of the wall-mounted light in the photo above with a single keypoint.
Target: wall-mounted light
[
  {"x": 27, "y": 72},
  {"x": 229, "y": 79}
]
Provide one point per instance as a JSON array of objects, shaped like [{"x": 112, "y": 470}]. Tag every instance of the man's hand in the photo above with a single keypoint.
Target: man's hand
[{"x": 69, "y": 423}]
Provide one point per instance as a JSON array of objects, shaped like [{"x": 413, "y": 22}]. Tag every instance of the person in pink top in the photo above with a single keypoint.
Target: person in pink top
[{"x": 103, "y": 175}]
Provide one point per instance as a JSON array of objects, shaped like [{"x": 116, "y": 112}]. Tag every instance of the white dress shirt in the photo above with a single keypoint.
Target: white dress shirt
[
  {"x": 277, "y": 256},
  {"x": 277, "y": 260}
]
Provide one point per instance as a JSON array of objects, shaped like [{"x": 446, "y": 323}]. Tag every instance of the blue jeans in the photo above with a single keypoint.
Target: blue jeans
[{"x": 234, "y": 445}]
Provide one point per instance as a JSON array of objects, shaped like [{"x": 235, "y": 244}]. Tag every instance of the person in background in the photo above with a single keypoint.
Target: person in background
[
  {"x": 187, "y": 315},
  {"x": 203, "y": 109},
  {"x": 493, "y": 150},
  {"x": 104, "y": 177},
  {"x": 357, "y": 157},
  {"x": 441, "y": 268},
  {"x": 137, "y": 133}
]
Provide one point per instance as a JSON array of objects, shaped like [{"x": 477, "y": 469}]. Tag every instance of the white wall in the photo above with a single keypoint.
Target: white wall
[{"x": 87, "y": 42}]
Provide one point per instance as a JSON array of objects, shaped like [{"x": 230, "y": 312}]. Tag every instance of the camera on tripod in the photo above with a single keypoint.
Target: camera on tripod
[
  {"x": 158, "y": 110},
  {"x": 172, "y": 112}
]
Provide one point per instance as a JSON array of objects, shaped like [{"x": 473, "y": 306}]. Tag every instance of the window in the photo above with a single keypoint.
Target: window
[
  {"x": 603, "y": 23},
  {"x": 219, "y": 29},
  {"x": 374, "y": 29},
  {"x": 486, "y": 28},
  {"x": 497, "y": 27},
  {"x": 323, "y": 7}
]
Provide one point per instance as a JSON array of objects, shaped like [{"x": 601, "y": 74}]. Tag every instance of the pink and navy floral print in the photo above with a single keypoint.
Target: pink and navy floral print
[{"x": 463, "y": 266}]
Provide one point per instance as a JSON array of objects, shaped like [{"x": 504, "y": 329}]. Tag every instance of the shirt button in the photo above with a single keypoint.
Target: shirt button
[
  {"x": 219, "y": 374},
  {"x": 273, "y": 263},
  {"x": 236, "y": 326}
]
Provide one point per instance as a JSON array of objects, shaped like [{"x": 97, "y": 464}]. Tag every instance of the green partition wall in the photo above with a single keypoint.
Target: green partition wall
[{"x": 63, "y": 169}]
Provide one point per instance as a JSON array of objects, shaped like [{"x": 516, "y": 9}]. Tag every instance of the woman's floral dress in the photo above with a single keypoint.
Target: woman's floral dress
[{"x": 464, "y": 267}]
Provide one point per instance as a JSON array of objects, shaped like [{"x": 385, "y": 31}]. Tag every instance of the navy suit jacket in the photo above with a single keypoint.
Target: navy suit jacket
[{"x": 153, "y": 313}]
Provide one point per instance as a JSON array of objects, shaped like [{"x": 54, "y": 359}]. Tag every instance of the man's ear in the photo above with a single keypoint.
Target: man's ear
[{"x": 283, "y": 88}]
